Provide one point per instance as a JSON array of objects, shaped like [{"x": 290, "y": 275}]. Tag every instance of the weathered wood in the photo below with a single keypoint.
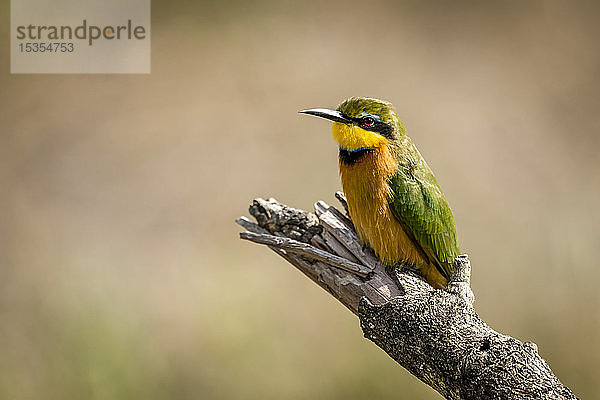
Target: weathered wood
[
  {"x": 336, "y": 247},
  {"x": 343, "y": 201},
  {"x": 320, "y": 243},
  {"x": 435, "y": 334},
  {"x": 306, "y": 250},
  {"x": 346, "y": 287},
  {"x": 341, "y": 228}
]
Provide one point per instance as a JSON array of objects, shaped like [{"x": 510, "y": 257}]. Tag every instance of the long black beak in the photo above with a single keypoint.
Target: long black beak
[{"x": 326, "y": 113}]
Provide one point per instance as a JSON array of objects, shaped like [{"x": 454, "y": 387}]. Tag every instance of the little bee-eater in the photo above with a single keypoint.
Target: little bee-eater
[{"x": 394, "y": 201}]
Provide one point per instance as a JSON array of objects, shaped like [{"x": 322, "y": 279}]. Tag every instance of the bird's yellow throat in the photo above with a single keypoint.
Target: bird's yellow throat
[{"x": 352, "y": 137}]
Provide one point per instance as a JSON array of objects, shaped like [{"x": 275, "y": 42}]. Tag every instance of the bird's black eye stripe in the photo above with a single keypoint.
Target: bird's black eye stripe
[
  {"x": 374, "y": 125},
  {"x": 387, "y": 132}
]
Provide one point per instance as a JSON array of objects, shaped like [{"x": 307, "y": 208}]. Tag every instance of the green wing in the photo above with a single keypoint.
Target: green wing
[{"x": 420, "y": 206}]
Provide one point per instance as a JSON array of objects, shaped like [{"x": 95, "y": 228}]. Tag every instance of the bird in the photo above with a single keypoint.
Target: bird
[{"x": 394, "y": 201}]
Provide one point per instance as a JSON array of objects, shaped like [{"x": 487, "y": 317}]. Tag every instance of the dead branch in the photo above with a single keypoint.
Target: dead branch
[{"x": 434, "y": 334}]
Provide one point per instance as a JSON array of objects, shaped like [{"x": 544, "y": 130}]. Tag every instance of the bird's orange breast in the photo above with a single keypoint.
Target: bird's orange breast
[{"x": 366, "y": 187}]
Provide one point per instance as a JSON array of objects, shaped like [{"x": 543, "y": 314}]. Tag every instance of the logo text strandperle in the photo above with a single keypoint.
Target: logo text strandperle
[{"x": 84, "y": 31}]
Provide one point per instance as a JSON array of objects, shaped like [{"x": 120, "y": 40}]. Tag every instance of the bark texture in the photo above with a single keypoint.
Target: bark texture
[{"x": 435, "y": 334}]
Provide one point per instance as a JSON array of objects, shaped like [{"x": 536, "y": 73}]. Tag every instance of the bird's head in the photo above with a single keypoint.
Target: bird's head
[{"x": 362, "y": 123}]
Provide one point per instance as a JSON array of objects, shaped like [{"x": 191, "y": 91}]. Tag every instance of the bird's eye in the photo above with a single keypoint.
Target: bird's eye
[{"x": 368, "y": 121}]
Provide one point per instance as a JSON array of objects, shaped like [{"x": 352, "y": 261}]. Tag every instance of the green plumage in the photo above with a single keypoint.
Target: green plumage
[{"x": 420, "y": 206}]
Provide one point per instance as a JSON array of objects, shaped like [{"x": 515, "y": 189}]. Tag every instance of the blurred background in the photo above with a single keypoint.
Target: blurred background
[{"x": 122, "y": 275}]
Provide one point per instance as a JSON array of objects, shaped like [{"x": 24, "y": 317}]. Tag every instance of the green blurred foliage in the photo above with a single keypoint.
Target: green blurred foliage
[{"x": 121, "y": 272}]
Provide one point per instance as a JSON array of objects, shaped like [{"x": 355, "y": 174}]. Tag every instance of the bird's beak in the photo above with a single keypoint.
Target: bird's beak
[{"x": 331, "y": 115}]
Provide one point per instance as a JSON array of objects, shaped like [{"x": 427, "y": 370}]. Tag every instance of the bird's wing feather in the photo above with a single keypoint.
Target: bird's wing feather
[{"x": 420, "y": 206}]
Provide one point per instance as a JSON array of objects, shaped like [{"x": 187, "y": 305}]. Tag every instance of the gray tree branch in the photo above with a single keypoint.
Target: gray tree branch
[{"x": 435, "y": 334}]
